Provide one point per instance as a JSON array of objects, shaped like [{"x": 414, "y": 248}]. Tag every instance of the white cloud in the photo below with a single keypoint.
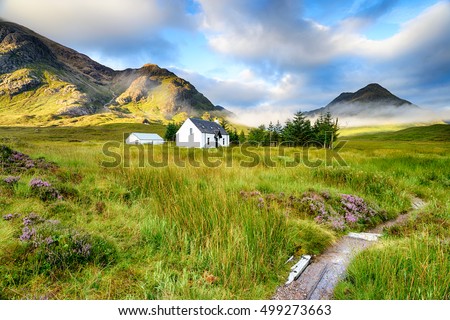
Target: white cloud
[
  {"x": 87, "y": 20},
  {"x": 288, "y": 40},
  {"x": 263, "y": 114},
  {"x": 425, "y": 32},
  {"x": 125, "y": 33}
]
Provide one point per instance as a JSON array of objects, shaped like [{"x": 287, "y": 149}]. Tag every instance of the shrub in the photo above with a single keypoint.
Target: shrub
[
  {"x": 338, "y": 212},
  {"x": 11, "y": 181},
  {"x": 13, "y": 161},
  {"x": 44, "y": 190},
  {"x": 49, "y": 247}
]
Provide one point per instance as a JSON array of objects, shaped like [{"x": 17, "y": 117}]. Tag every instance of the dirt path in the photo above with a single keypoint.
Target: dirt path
[{"x": 321, "y": 276}]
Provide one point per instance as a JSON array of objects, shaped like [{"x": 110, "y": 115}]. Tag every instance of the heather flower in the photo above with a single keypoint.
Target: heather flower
[
  {"x": 27, "y": 234},
  {"x": 38, "y": 183},
  {"x": 356, "y": 209},
  {"x": 44, "y": 190},
  {"x": 18, "y": 156},
  {"x": 31, "y": 219},
  {"x": 337, "y": 223},
  {"x": 29, "y": 164},
  {"x": 350, "y": 218},
  {"x": 9, "y": 216},
  {"x": 11, "y": 180}
]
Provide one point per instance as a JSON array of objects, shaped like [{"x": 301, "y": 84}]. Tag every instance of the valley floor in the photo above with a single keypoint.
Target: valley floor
[{"x": 74, "y": 227}]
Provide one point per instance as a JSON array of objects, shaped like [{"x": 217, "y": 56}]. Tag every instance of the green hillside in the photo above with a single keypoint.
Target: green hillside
[
  {"x": 435, "y": 132},
  {"x": 45, "y": 83},
  {"x": 99, "y": 133}
]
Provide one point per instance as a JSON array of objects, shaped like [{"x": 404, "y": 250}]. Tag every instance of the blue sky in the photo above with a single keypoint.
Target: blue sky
[{"x": 262, "y": 57}]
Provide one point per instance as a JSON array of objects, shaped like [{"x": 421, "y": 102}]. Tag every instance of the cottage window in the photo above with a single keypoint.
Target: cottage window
[
  {"x": 223, "y": 141},
  {"x": 191, "y": 131},
  {"x": 208, "y": 141}
]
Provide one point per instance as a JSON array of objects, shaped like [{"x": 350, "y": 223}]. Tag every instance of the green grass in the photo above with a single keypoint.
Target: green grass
[
  {"x": 436, "y": 132},
  {"x": 411, "y": 268},
  {"x": 189, "y": 233}
]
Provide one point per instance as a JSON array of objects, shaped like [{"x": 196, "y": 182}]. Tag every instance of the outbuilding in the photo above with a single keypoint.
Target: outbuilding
[{"x": 144, "y": 138}]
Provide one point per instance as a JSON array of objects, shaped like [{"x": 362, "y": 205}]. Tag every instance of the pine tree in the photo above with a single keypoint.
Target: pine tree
[
  {"x": 298, "y": 131},
  {"x": 234, "y": 137},
  {"x": 171, "y": 131},
  {"x": 326, "y": 130},
  {"x": 278, "y": 128},
  {"x": 275, "y": 132},
  {"x": 257, "y": 135},
  {"x": 242, "y": 137}
]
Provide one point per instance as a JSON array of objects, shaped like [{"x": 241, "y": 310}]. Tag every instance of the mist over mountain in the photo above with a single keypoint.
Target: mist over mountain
[
  {"x": 369, "y": 100},
  {"x": 375, "y": 105},
  {"x": 42, "y": 81}
]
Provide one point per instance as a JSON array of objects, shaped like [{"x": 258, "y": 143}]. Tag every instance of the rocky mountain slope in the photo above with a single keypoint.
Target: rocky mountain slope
[
  {"x": 371, "y": 100},
  {"x": 42, "y": 81}
]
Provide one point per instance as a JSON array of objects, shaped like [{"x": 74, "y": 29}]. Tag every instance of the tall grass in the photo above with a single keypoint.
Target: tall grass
[
  {"x": 411, "y": 268},
  {"x": 184, "y": 232}
]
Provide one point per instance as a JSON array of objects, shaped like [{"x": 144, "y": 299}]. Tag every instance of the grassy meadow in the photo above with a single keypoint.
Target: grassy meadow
[{"x": 75, "y": 226}]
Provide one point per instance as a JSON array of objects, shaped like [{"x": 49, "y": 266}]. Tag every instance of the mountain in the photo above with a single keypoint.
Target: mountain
[
  {"x": 43, "y": 82},
  {"x": 369, "y": 101}
]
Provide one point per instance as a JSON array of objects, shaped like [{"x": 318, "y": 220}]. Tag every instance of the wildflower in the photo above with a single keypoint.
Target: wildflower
[
  {"x": 337, "y": 223},
  {"x": 8, "y": 216},
  {"x": 38, "y": 183},
  {"x": 29, "y": 164},
  {"x": 17, "y": 156},
  {"x": 11, "y": 180},
  {"x": 32, "y": 218},
  {"x": 350, "y": 218},
  {"x": 27, "y": 234}
]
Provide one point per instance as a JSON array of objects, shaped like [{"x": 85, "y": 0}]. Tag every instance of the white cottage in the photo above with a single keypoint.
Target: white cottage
[
  {"x": 144, "y": 138},
  {"x": 197, "y": 133}
]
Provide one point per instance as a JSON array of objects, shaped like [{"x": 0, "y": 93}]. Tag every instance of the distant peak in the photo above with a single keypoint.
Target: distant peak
[
  {"x": 374, "y": 85},
  {"x": 150, "y": 65}
]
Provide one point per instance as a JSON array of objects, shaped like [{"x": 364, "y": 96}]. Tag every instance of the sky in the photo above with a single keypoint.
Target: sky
[{"x": 262, "y": 58}]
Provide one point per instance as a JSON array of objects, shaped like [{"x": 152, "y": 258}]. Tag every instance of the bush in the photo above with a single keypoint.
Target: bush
[
  {"x": 12, "y": 162},
  {"x": 49, "y": 247},
  {"x": 43, "y": 190}
]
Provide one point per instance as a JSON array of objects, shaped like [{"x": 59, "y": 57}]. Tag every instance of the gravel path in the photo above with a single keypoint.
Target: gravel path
[{"x": 321, "y": 276}]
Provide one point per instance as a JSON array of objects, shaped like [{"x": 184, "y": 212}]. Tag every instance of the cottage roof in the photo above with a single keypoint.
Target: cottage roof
[
  {"x": 208, "y": 126},
  {"x": 147, "y": 136}
]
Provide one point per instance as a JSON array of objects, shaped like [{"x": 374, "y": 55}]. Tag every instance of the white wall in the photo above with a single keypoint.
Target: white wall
[
  {"x": 212, "y": 141},
  {"x": 200, "y": 139},
  {"x": 183, "y": 135},
  {"x": 131, "y": 139}
]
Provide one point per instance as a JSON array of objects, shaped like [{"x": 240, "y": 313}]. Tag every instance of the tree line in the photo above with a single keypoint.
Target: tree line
[{"x": 298, "y": 131}]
